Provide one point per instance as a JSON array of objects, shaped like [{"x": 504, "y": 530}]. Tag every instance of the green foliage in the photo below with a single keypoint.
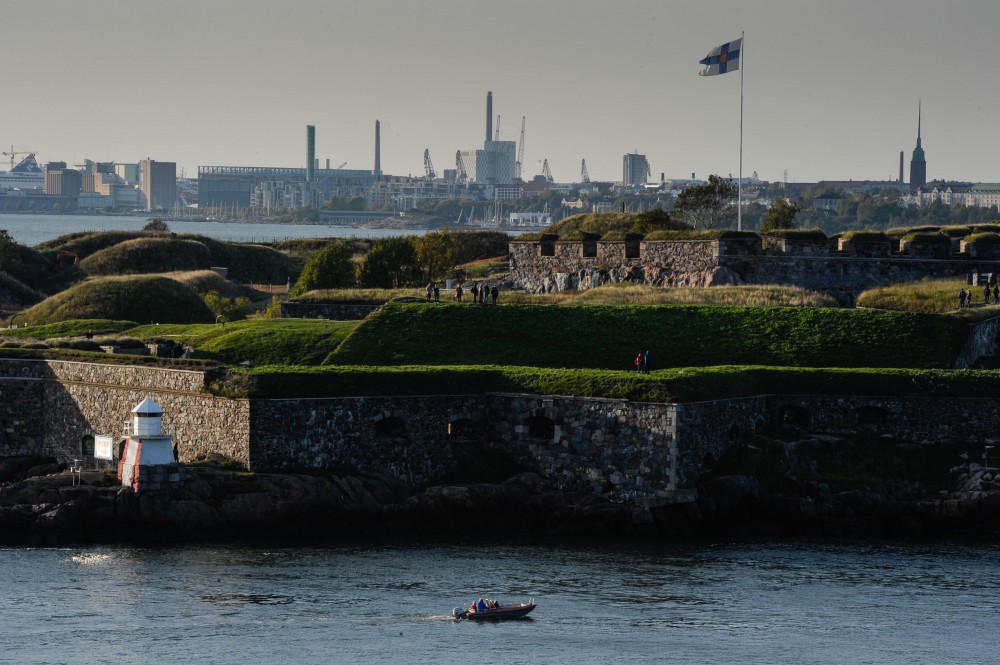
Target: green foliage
[
  {"x": 983, "y": 239},
  {"x": 259, "y": 341},
  {"x": 435, "y": 253},
  {"x": 10, "y": 255},
  {"x": 230, "y": 309},
  {"x": 139, "y": 298},
  {"x": 707, "y": 206},
  {"x": 477, "y": 245},
  {"x": 273, "y": 309},
  {"x": 927, "y": 238},
  {"x": 148, "y": 255},
  {"x": 928, "y": 296},
  {"x": 156, "y": 225},
  {"x": 391, "y": 264},
  {"x": 804, "y": 235},
  {"x": 865, "y": 236},
  {"x": 329, "y": 268},
  {"x": 781, "y": 215},
  {"x": 609, "y": 337},
  {"x": 366, "y": 296},
  {"x": 21, "y": 293}
]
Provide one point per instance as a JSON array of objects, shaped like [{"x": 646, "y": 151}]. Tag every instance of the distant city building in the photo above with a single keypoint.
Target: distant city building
[
  {"x": 129, "y": 173},
  {"x": 61, "y": 181},
  {"x": 635, "y": 169},
  {"x": 979, "y": 195},
  {"x": 918, "y": 165},
  {"x": 158, "y": 181},
  {"x": 496, "y": 163}
]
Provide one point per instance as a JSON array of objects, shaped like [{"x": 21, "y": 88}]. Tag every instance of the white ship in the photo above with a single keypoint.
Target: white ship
[{"x": 26, "y": 175}]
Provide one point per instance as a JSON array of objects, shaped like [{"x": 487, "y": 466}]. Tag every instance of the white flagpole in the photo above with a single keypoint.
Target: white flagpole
[{"x": 739, "y": 184}]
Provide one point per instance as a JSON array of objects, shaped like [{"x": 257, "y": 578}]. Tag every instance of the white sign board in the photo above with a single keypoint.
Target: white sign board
[{"x": 104, "y": 447}]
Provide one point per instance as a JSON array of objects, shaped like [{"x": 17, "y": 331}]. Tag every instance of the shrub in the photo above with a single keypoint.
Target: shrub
[
  {"x": 329, "y": 268},
  {"x": 477, "y": 245},
  {"x": 391, "y": 263}
]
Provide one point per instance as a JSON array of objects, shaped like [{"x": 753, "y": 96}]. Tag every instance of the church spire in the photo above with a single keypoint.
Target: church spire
[{"x": 918, "y": 164}]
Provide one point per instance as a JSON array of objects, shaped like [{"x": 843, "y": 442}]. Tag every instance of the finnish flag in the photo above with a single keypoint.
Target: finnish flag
[{"x": 722, "y": 59}]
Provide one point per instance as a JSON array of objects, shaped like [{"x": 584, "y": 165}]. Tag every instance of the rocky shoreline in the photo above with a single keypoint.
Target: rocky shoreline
[{"x": 43, "y": 508}]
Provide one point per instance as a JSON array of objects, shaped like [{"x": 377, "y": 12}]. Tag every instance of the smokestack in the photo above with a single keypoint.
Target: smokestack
[
  {"x": 378, "y": 148},
  {"x": 489, "y": 116},
  {"x": 310, "y": 152},
  {"x": 901, "y": 166},
  {"x": 327, "y": 163}
]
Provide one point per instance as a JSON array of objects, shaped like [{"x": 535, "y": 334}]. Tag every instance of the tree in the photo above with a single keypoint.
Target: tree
[
  {"x": 156, "y": 224},
  {"x": 329, "y": 268},
  {"x": 230, "y": 309},
  {"x": 709, "y": 205},
  {"x": 390, "y": 264},
  {"x": 781, "y": 215},
  {"x": 10, "y": 254},
  {"x": 436, "y": 253}
]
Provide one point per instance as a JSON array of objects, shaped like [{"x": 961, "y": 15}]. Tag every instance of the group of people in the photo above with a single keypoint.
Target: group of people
[
  {"x": 965, "y": 297},
  {"x": 484, "y": 604},
  {"x": 480, "y": 294},
  {"x": 643, "y": 362}
]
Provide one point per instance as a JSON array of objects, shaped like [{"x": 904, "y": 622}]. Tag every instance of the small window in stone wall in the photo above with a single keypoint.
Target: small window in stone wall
[
  {"x": 589, "y": 248},
  {"x": 541, "y": 427},
  {"x": 87, "y": 447},
  {"x": 547, "y": 248},
  {"x": 463, "y": 429},
  {"x": 390, "y": 427},
  {"x": 794, "y": 415},
  {"x": 631, "y": 249},
  {"x": 872, "y": 415}
]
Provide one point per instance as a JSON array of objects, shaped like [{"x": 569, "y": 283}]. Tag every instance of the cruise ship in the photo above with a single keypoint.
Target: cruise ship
[{"x": 25, "y": 176}]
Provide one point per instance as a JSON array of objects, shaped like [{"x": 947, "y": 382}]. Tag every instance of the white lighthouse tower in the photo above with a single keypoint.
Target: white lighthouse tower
[{"x": 148, "y": 458}]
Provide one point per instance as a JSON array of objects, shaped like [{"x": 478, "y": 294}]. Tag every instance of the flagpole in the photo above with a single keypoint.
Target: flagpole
[{"x": 739, "y": 184}]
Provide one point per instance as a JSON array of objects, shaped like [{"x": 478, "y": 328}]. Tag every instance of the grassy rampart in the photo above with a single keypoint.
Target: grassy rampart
[{"x": 604, "y": 337}]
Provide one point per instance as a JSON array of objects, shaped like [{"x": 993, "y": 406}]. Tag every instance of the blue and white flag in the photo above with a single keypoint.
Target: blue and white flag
[{"x": 722, "y": 59}]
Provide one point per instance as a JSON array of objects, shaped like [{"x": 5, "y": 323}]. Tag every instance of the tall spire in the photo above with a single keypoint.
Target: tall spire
[{"x": 918, "y": 164}]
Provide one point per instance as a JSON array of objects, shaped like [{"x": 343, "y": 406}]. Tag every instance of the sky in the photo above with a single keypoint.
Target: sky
[{"x": 830, "y": 89}]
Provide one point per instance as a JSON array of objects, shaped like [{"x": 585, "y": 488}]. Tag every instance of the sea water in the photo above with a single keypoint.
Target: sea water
[
  {"x": 774, "y": 603},
  {"x": 33, "y": 229}
]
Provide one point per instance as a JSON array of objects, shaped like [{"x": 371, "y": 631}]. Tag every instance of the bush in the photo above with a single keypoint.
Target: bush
[
  {"x": 391, "y": 264},
  {"x": 478, "y": 245},
  {"x": 329, "y": 268}
]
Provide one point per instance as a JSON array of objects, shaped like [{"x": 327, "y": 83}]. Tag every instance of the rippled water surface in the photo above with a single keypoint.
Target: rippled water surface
[{"x": 761, "y": 603}]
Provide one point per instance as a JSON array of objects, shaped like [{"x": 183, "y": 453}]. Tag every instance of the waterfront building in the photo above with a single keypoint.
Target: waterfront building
[
  {"x": 61, "y": 181},
  {"x": 158, "y": 181}
]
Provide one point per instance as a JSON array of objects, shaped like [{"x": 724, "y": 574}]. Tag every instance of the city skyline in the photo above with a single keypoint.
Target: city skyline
[{"x": 830, "y": 92}]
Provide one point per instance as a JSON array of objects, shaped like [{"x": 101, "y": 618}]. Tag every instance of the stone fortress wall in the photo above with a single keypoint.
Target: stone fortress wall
[
  {"x": 844, "y": 270},
  {"x": 623, "y": 449}
]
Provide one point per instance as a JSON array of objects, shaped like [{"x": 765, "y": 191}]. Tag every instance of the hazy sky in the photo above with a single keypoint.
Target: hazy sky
[{"x": 831, "y": 87}]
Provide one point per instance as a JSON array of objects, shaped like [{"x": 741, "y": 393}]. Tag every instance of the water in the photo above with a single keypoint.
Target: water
[
  {"x": 757, "y": 603},
  {"x": 33, "y": 229}
]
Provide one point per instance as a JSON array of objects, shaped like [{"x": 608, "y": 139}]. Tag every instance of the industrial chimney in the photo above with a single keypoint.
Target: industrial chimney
[
  {"x": 310, "y": 152},
  {"x": 901, "y": 166},
  {"x": 378, "y": 149},
  {"x": 489, "y": 116}
]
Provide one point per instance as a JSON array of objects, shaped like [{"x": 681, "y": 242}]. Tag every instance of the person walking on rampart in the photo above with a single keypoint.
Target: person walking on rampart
[
  {"x": 986, "y": 295},
  {"x": 647, "y": 361},
  {"x": 458, "y": 293},
  {"x": 430, "y": 290},
  {"x": 638, "y": 362},
  {"x": 475, "y": 292},
  {"x": 494, "y": 294},
  {"x": 961, "y": 298},
  {"x": 437, "y": 293}
]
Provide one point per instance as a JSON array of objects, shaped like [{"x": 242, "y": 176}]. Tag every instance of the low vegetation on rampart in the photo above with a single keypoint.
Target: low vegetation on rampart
[{"x": 930, "y": 296}]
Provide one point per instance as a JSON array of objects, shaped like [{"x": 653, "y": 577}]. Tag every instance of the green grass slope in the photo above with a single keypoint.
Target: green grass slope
[
  {"x": 139, "y": 298},
  {"x": 260, "y": 341},
  {"x": 146, "y": 255},
  {"x": 71, "y": 328},
  {"x": 608, "y": 337}
]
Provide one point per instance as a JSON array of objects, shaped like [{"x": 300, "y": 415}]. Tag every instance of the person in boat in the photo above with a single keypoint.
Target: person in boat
[{"x": 481, "y": 606}]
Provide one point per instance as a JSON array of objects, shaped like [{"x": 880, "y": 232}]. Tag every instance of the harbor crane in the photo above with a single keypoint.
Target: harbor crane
[
  {"x": 461, "y": 174},
  {"x": 520, "y": 153},
  {"x": 13, "y": 154},
  {"x": 428, "y": 165},
  {"x": 584, "y": 175},
  {"x": 547, "y": 172}
]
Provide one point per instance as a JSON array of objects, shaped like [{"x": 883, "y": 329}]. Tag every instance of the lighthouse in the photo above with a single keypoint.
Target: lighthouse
[{"x": 147, "y": 461}]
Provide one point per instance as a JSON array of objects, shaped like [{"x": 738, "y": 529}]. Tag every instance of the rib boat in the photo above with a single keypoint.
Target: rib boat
[{"x": 496, "y": 614}]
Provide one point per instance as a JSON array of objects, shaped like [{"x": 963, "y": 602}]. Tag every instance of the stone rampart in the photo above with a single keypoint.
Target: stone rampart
[{"x": 331, "y": 311}]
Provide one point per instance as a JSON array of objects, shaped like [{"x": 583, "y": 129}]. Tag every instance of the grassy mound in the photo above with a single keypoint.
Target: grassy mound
[
  {"x": 669, "y": 385},
  {"x": 929, "y": 296},
  {"x": 678, "y": 336},
  {"x": 260, "y": 341},
  {"x": 743, "y": 296},
  {"x": 85, "y": 243},
  {"x": 72, "y": 328},
  {"x": 142, "y": 298},
  {"x": 247, "y": 263},
  {"x": 16, "y": 291},
  {"x": 204, "y": 281},
  {"x": 147, "y": 255}
]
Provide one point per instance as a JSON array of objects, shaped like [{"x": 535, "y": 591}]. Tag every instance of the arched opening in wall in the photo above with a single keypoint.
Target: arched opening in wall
[
  {"x": 87, "y": 447},
  {"x": 541, "y": 427},
  {"x": 794, "y": 416},
  {"x": 631, "y": 248},
  {"x": 547, "y": 248},
  {"x": 872, "y": 415},
  {"x": 735, "y": 436},
  {"x": 390, "y": 427},
  {"x": 463, "y": 429},
  {"x": 759, "y": 425}
]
